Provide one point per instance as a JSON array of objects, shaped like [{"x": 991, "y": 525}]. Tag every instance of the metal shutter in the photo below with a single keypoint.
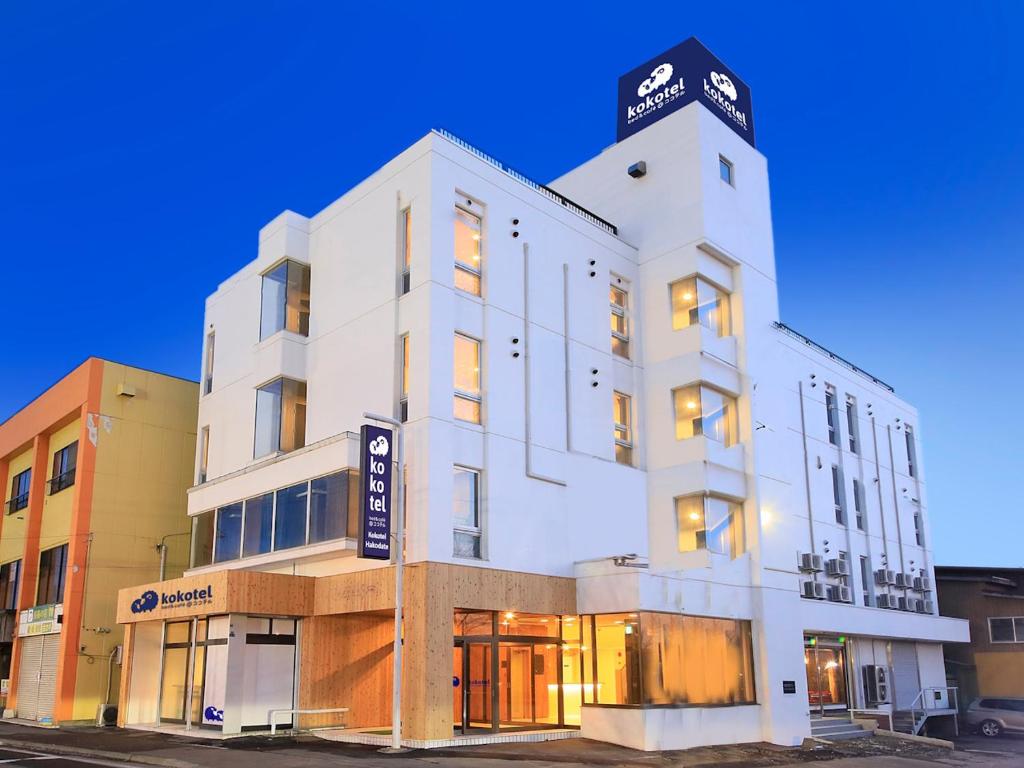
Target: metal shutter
[
  {"x": 48, "y": 675},
  {"x": 905, "y": 676},
  {"x": 28, "y": 677}
]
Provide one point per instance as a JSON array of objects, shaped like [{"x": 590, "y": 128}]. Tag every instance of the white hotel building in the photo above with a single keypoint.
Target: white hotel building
[{"x": 695, "y": 527}]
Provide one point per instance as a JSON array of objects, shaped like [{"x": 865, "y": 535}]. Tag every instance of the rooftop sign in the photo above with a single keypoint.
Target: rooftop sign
[{"x": 681, "y": 75}]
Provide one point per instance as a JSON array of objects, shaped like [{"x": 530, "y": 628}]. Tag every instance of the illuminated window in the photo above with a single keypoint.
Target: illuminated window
[
  {"x": 467, "y": 379},
  {"x": 204, "y": 455},
  {"x": 725, "y": 170},
  {"x": 285, "y": 302},
  {"x": 697, "y": 302},
  {"x": 701, "y": 410},
  {"x": 711, "y": 523},
  {"x": 405, "y": 245},
  {"x": 280, "y": 417},
  {"x": 403, "y": 395},
  {"x": 466, "y": 512},
  {"x": 619, "y": 300},
  {"x": 623, "y": 429},
  {"x": 468, "y": 234}
]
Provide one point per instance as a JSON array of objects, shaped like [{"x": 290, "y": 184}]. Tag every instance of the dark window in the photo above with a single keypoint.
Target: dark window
[
  {"x": 202, "y": 539},
  {"x": 10, "y": 573},
  {"x": 1001, "y": 630},
  {"x": 838, "y": 495},
  {"x": 229, "y": 533},
  {"x": 52, "y": 567},
  {"x": 290, "y": 520},
  {"x": 19, "y": 491},
  {"x": 830, "y": 414},
  {"x": 333, "y": 506},
  {"x": 65, "y": 461},
  {"x": 259, "y": 521}
]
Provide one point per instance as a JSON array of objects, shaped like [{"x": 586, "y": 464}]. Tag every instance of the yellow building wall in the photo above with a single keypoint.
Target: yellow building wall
[
  {"x": 12, "y": 537},
  {"x": 1000, "y": 673},
  {"x": 145, "y": 462},
  {"x": 56, "y": 524}
]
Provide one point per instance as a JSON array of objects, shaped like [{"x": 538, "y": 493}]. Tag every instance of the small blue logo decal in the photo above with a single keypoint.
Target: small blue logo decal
[
  {"x": 146, "y": 603},
  {"x": 213, "y": 714}
]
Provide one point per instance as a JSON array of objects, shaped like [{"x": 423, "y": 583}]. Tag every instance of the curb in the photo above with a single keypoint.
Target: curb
[
  {"x": 929, "y": 740},
  {"x": 100, "y": 754}
]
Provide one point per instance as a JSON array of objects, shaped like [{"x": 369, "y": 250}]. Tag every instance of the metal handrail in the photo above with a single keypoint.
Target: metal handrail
[
  {"x": 924, "y": 709},
  {"x": 272, "y": 716},
  {"x": 62, "y": 481},
  {"x": 830, "y": 354},
  {"x": 16, "y": 503},
  {"x": 545, "y": 190}
]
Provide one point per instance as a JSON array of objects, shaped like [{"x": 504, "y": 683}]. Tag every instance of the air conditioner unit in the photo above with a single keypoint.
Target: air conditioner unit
[
  {"x": 884, "y": 576},
  {"x": 925, "y": 606},
  {"x": 923, "y": 584},
  {"x": 904, "y": 580},
  {"x": 876, "y": 684},
  {"x": 840, "y": 593},
  {"x": 813, "y": 590},
  {"x": 907, "y": 603},
  {"x": 837, "y": 567},
  {"x": 811, "y": 562},
  {"x": 885, "y": 600}
]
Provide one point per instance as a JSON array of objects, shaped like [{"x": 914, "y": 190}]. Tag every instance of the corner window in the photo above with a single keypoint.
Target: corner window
[
  {"x": 19, "y": 491},
  {"x": 208, "y": 364},
  {"x": 468, "y": 233},
  {"x": 65, "y": 463},
  {"x": 204, "y": 455},
  {"x": 280, "y": 417},
  {"x": 467, "y": 379},
  {"x": 858, "y": 503},
  {"x": 1008, "y": 629},
  {"x": 466, "y": 513},
  {"x": 285, "y": 302},
  {"x": 697, "y": 302},
  {"x": 831, "y": 414},
  {"x": 725, "y": 171},
  {"x": 618, "y": 298},
  {"x": 53, "y": 565},
  {"x": 837, "y": 495},
  {"x": 908, "y": 433},
  {"x": 405, "y": 245},
  {"x": 403, "y": 390},
  {"x": 711, "y": 523},
  {"x": 623, "y": 427},
  {"x": 701, "y": 410},
  {"x": 202, "y": 539},
  {"x": 851, "y": 424}
]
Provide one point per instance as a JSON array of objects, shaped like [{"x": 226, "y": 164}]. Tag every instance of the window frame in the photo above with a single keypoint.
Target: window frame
[
  {"x": 1018, "y": 637},
  {"x": 723, "y": 296},
  {"x": 280, "y": 418},
  {"x": 736, "y": 513},
  {"x": 66, "y": 459},
  {"x": 59, "y": 573},
  {"x": 729, "y": 167},
  {"x": 306, "y": 282},
  {"x": 211, "y": 339},
  {"x": 852, "y": 426},
  {"x": 461, "y": 394},
  {"x": 405, "y": 249},
  {"x": 472, "y": 531},
  {"x": 19, "y": 501},
  {"x": 204, "y": 455},
  {"x": 403, "y": 378},
  {"x": 839, "y": 495},
  {"x": 832, "y": 414},
  {"x": 621, "y": 311},
  {"x": 477, "y": 272},
  {"x": 909, "y": 437},
  {"x": 627, "y": 443},
  {"x": 858, "y": 503},
  {"x": 734, "y": 421}
]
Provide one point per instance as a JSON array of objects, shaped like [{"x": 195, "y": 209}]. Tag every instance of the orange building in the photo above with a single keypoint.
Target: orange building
[{"x": 93, "y": 475}]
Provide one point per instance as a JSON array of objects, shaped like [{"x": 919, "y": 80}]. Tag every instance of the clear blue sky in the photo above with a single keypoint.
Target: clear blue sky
[{"x": 143, "y": 145}]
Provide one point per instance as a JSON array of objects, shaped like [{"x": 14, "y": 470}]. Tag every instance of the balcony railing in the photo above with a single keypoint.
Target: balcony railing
[
  {"x": 61, "y": 481},
  {"x": 15, "y": 503},
  {"x": 831, "y": 355}
]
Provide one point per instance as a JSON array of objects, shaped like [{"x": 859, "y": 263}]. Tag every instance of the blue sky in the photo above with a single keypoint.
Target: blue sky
[{"x": 142, "y": 146}]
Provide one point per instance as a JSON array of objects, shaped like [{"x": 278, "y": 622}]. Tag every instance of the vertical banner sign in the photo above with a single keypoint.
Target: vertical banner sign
[
  {"x": 680, "y": 76},
  {"x": 375, "y": 447}
]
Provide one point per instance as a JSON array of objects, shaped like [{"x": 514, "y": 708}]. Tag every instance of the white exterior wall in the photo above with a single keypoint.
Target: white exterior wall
[{"x": 554, "y": 501}]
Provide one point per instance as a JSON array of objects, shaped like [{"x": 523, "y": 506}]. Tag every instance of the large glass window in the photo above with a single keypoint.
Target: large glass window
[
  {"x": 467, "y": 379},
  {"x": 280, "y": 417},
  {"x": 701, "y": 410},
  {"x": 697, "y": 302},
  {"x": 229, "y": 533},
  {"x": 285, "y": 300},
  {"x": 65, "y": 462},
  {"x": 53, "y": 565},
  {"x": 259, "y": 521},
  {"x": 468, "y": 233},
  {"x": 668, "y": 659},
  {"x": 202, "y": 539},
  {"x": 290, "y": 517},
  {"x": 623, "y": 427},
  {"x": 333, "y": 506},
  {"x": 466, "y": 512},
  {"x": 711, "y": 523},
  {"x": 618, "y": 299},
  {"x": 19, "y": 491}
]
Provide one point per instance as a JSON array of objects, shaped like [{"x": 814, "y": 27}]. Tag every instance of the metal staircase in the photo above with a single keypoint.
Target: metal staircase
[{"x": 930, "y": 702}]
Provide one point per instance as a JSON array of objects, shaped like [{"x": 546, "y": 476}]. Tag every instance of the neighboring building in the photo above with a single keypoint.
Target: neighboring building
[
  {"x": 93, "y": 474},
  {"x": 992, "y": 600},
  {"x": 692, "y": 526}
]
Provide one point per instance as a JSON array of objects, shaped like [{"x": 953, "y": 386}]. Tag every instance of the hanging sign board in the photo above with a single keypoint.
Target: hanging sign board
[{"x": 375, "y": 448}]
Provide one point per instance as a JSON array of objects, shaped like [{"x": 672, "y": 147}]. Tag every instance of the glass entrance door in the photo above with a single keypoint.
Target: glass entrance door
[
  {"x": 826, "y": 675},
  {"x": 478, "y": 690}
]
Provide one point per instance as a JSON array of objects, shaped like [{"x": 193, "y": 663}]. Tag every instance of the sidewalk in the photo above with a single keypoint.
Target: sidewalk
[{"x": 169, "y": 751}]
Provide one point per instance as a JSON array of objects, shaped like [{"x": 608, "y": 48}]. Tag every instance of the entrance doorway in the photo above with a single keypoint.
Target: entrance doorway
[
  {"x": 503, "y": 681},
  {"x": 185, "y": 679},
  {"x": 37, "y": 676},
  {"x": 827, "y": 685}
]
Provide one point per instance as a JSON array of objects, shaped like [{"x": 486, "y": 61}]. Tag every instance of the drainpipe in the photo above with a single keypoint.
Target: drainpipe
[
  {"x": 807, "y": 471},
  {"x": 162, "y": 549}
]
